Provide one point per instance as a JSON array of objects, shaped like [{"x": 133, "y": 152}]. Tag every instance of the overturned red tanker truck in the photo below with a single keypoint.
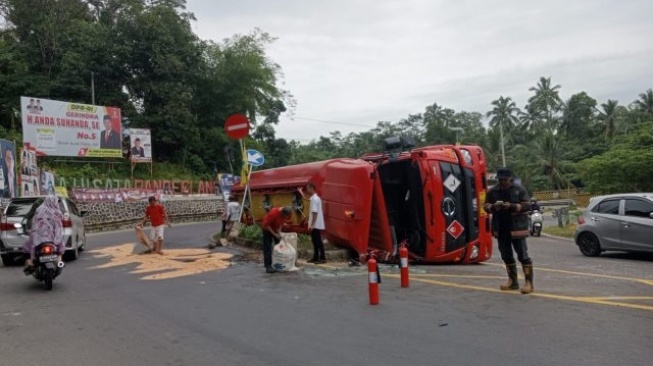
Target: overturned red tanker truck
[{"x": 428, "y": 198}]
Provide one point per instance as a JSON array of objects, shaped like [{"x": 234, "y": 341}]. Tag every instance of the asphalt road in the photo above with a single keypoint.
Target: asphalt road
[{"x": 586, "y": 311}]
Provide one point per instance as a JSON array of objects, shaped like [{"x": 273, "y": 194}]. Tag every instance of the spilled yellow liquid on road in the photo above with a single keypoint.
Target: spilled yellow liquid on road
[{"x": 172, "y": 264}]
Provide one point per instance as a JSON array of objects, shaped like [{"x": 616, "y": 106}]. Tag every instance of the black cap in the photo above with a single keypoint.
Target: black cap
[{"x": 504, "y": 173}]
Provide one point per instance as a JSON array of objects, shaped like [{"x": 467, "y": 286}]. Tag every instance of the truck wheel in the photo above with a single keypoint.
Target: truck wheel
[{"x": 589, "y": 244}]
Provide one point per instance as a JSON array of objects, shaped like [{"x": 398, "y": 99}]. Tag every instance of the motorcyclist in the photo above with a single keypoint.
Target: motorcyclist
[
  {"x": 44, "y": 225},
  {"x": 534, "y": 205}
]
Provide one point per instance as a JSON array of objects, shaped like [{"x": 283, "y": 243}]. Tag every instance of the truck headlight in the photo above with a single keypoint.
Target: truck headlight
[{"x": 474, "y": 253}]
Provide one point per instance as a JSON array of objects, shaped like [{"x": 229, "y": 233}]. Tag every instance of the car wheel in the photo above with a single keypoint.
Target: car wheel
[
  {"x": 589, "y": 244},
  {"x": 72, "y": 254},
  {"x": 7, "y": 260},
  {"x": 83, "y": 246}
]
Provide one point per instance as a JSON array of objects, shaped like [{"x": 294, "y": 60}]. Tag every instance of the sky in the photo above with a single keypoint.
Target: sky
[{"x": 352, "y": 63}]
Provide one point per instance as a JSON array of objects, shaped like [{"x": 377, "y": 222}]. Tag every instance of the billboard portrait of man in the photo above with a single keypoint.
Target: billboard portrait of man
[
  {"x": 109, "y": 138},
  {"x": 8, "y": 171},
  {"x": 141, "y": 145},
  {"x": 137, "y": 150}
]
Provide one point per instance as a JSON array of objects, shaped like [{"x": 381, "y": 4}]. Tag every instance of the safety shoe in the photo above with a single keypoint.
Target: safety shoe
[
  {"x": 270, "y": 270},
  {"x": 320, "y": 261},
  {"x": 312, "y": 260}
]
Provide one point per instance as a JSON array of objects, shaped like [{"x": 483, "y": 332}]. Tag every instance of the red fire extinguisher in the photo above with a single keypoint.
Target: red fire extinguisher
[
  {"x": 373, "y": 281},
  {"x": 403, "y": 260}
]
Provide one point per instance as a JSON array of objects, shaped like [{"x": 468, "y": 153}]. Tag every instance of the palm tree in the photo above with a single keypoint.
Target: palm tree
[
  {"x": 546, "y": 100},
  {"x": 504, "y": 117},
  {"x": 547, "y": 155},
  {"x": 645, "y": 101},
  {"x": 608, "y": 117}
]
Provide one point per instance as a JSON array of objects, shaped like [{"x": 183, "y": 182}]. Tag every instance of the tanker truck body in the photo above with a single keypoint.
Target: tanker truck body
[{"x": 428, "y": 199}]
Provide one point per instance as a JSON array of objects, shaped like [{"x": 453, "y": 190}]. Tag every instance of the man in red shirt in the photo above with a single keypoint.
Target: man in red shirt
[
  {"x": 156, "y": 214},
  {"x": 271, "y": 225}
]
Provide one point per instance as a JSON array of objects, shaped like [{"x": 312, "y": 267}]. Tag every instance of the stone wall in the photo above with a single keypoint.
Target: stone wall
[{"x": 106, "y": 216}]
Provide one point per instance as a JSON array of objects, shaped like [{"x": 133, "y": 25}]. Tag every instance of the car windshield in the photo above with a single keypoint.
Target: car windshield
[{"x": 21, "y": 206}]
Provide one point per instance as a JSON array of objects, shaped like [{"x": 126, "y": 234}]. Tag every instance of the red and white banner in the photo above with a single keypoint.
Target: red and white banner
[
  {"x": 58, "y": 128},
  {"x": 114, "y": 195}
]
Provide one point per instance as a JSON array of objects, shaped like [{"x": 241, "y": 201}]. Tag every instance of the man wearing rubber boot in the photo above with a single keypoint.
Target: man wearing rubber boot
[{"x": 509, "y": 206}]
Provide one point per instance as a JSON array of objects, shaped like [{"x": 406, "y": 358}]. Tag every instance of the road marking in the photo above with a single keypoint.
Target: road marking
[
  {"x": 608, "y": 298},
  {"x": 596, "y": 301},
  {"x": 640, "y": 280}
]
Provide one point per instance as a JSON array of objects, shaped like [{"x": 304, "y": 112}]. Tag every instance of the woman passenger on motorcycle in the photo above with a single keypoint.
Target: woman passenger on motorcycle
[{"x": 45, "y": 226}]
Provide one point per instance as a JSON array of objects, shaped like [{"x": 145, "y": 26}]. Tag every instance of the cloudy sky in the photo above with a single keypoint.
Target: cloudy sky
[{"x": 352, "y": 63}]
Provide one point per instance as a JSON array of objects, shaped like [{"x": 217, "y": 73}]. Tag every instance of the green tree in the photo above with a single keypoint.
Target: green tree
[
  {"x": 578, "y": 116},
  {"x": 645, "y": 102},
  {"x": 546, "y": 102},
  {"x": 547, "y": 155},
  {"x": 608, "y": 116},
  {"x": 504, "y": 118},
  {"x": 627, "y": 166}
]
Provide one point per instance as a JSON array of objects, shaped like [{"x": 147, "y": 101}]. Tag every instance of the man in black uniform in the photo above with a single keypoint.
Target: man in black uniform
[{"x": 509, "y": 206}]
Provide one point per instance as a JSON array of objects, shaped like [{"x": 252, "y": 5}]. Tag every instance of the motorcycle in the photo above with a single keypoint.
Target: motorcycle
[
  {"x": 46, "y": 264},
  {"x": 536, "y": 223}
]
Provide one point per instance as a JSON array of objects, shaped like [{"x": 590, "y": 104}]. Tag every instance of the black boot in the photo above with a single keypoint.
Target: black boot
[
  {"x": 528, "y": 274},
  {"x": 512, "y": 283},
  {"x": 28, "y": 270}
]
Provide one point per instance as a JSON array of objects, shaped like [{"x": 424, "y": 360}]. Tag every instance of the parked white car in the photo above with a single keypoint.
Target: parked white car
[{"x": 12, "y": 237}]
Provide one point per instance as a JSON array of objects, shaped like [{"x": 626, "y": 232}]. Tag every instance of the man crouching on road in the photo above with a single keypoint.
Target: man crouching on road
[{"x": 156, "y": 214}]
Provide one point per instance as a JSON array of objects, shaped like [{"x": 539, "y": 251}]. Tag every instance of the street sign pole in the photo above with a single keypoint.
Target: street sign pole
[{"x": 246, "y": 194}]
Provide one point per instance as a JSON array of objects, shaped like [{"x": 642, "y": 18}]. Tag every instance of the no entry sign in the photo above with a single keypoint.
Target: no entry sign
[{"x": 236, "y": 126}]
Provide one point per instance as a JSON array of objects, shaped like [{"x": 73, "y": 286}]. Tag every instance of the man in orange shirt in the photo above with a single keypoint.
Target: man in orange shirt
[
  {"x": 156, "y": 214},
  {"x": 271, "y": 225}
]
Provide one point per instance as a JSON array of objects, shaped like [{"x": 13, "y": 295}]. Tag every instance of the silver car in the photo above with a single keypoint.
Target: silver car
[
  {"x": 622, "y": 222},
  {"x": 12, "y": 236}
]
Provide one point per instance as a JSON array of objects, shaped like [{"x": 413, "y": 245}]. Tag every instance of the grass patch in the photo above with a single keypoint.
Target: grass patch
[{"x": 565, "y": 232}]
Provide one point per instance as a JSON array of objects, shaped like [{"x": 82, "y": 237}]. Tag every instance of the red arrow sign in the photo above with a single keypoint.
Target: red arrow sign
[{"x": 236, "y": 126}]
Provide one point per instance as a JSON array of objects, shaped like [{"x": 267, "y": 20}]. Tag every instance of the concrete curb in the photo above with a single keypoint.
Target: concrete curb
[{"x": 558, "y": 237}]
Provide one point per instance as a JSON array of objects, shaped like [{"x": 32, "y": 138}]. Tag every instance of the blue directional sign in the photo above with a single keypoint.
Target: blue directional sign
[{"x": 255, "y": 158}]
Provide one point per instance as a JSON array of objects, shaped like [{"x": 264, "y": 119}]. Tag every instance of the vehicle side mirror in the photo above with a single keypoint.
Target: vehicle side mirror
[
  {"x": 650, "y": 215},
  {"x": 83, "y": 213}
]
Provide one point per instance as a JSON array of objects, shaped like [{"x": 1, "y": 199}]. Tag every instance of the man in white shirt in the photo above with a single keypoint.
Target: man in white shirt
[
  {"x": 316, "y": 224},
  {"x": 233, "y": 213}
]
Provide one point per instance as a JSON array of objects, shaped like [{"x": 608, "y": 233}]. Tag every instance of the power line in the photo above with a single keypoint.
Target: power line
[{"x": 333, "y": 122}]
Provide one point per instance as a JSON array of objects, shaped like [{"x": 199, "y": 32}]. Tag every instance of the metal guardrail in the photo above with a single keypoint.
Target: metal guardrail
[{"x": 561, "y": 202}]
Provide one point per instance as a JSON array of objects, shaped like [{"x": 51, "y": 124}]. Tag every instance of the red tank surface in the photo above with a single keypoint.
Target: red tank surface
[{"x": 427, "y": 198}]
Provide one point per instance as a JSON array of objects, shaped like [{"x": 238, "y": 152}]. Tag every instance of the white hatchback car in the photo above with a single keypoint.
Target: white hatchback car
[
  {"x": 12, "y": 236},
  {"x": 622, "y": 222}
]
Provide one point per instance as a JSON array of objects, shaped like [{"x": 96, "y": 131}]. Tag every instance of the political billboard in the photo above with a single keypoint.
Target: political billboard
[
  {"x": 55, "y": 128},
  {"x": 140, "y": 145},
  {"x": 8, "y": 169},
  {"x": 29, "y": 174}
]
